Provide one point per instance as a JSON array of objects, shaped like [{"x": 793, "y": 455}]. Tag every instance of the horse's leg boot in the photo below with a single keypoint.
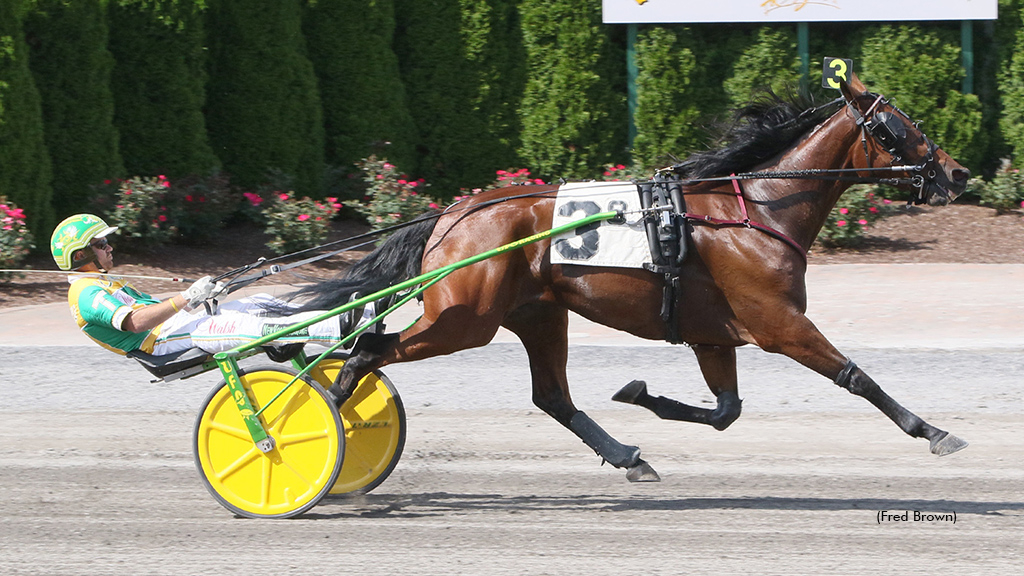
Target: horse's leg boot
[{"x": 608, "y": 448}]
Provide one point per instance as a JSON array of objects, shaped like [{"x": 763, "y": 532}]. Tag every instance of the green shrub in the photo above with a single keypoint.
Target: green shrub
[
  {"x": 72, "y": 70},
  {"x": 856, "y": 210},
  {"x": 391, "y": 197},
  {"x": 1005, "y": 192},
  {"x": 15, "y": 239},
  {"x": 666, "y": 114},
  {"x": 158, "y": 82},
  {"x": 364, "y": 101},
  {"x": 263, "y": 108},
  {"x": 25, "y": 170},
  {"x": 297, "y": 223},
  {"x": 770, "y": 60},
  {"x": 573, "y": 111}
]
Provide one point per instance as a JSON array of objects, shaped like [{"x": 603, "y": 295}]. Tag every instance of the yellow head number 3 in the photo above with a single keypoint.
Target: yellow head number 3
[{"x": 835, "y": 69}]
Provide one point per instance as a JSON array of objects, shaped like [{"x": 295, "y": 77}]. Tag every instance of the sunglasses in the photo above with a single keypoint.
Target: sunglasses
[{"x": 99, "y": 243}]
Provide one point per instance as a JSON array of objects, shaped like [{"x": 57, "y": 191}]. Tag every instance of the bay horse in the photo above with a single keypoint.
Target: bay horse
[{"x": 738, "y": 284}]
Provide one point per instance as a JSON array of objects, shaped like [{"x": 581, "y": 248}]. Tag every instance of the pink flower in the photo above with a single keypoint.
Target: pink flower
[
  {"x": 413, "y": 184},
  {"x": 388, "y": 166},
  {"x": 886, "y": 201},
  {"x": 538, "y": 181},
  {"x": 165, "y": 184},
  {"x": 620, "y": 167},
  {"x": 501, "y": 172},
  {"x": 162, "y": 218},
  {"x": 844, "y": 211},
  {"x": 188, "y": 198},
  {"x": 434, "y": 206},
  {"x": 282, "y": 197},
  {"x": 161, "y": 177},
  {"x": 303, "y": 217},
  {"x": 106, "y": 181},
  {"x": 862, "y": 222},
  {"x": 608, "y": 172},
  {"x": 841, "y": 223},
  {"x": 253, "y": 199},
  {"x": 16, "y": 213},
  {"x": 402, "y": 182},
  {"x": 380, "y": 176},
  {"x": 873, "y": 209}
]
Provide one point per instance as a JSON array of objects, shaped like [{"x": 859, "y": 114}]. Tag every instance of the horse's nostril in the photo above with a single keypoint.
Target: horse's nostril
[{"x": 960, "y": 175}]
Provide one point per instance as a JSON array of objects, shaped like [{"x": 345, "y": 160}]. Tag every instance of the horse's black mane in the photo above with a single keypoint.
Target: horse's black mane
[{"x": 758, "y": 132}]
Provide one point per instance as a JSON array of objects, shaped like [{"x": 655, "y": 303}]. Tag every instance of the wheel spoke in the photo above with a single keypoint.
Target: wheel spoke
[
  {"x": 289, "y": 439},
  {"x": 233, "y": 431},
  {"x": 238, "y": 464},
  {"x": 354, "y": 454}
]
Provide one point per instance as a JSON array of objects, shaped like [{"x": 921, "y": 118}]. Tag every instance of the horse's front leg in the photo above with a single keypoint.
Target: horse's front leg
[
  {"x": 718, "y": 365},
  {"x": 800, "y": 339}
]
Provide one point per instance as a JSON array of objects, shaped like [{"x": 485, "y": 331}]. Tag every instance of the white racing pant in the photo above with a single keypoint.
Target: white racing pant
[{"x": 241, "y": 322}]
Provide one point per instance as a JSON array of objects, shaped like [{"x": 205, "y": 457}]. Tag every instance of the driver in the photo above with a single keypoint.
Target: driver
[{"x": 122, "y": 319}]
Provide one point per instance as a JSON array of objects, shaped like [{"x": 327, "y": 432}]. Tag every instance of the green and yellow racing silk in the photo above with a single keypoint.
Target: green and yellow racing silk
[{"x": 100, "y": 304}]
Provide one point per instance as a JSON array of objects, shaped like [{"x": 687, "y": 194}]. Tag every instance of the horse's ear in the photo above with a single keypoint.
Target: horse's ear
[{"x": 853, "y": 88}]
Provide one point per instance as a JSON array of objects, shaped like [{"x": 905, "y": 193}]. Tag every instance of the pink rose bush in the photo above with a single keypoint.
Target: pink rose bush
[
  {"x": 292, "y": 223},
  {"x": 856, "y": 210},
  {"x": 15, "y": 240},
  {"x": 391, "y": 196}
]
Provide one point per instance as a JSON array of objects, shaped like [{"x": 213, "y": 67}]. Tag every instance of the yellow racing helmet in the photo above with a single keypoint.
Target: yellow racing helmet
[{"x": 70, "y": 240}]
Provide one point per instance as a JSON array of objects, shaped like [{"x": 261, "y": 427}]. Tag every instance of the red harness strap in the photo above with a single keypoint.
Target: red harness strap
[{"x": 697, "y": 218}]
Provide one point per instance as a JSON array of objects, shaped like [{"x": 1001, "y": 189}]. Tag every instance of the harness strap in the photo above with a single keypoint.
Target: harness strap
[{"x": 746, "y": 222}]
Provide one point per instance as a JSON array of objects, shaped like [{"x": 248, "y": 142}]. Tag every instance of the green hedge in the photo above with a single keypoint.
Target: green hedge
[
  {"x": 449, "y": 90},
  {"x": 263, "y": 107},
  {"x": 71, "y": 67},
  {"x": 574, "y": 106},
  {"x": 364, "y": 101},
  {"x": 25, "y": 169},
  {"x": 158, "y": 84}
]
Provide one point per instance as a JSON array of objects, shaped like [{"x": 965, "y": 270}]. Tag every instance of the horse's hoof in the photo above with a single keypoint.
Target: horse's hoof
[
  {"x": 630, "y": 392},
  {"x": 947, "y": 444},
  {"x": 642, "y": 472}
]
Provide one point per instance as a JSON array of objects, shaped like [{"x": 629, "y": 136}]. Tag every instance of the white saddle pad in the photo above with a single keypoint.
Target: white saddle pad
[{"x": 621, "y": 245}]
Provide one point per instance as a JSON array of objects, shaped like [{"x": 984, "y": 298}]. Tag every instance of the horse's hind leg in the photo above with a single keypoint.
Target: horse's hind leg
[
  {"x": 718, "y": 364},
  {"x": 542, "y": 329}
]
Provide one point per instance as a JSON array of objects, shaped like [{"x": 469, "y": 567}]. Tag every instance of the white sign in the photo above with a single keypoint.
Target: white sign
[{"x": 694, "y": 11}]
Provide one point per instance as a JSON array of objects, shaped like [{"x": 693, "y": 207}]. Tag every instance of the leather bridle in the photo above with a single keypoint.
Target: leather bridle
[{"x": 888, "y": 129}]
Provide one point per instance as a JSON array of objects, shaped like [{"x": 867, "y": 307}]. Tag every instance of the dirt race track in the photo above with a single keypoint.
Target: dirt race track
[{"x": 96, "y": 471}]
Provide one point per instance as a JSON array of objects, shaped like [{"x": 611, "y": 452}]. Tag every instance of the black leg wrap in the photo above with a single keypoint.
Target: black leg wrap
[
  {"x": 843, "y": 379},
  {"x": 729, "y": 408},
  {"x": 608, "y": 448}
]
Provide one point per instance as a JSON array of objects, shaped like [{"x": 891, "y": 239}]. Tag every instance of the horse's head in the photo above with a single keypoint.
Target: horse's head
[{"x": 934, "y": 176}]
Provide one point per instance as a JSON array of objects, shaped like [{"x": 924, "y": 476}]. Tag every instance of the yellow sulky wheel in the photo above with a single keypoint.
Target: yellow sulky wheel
[
  {"x": 297, "y": 472},
  {"x": 374, "y": 420}
]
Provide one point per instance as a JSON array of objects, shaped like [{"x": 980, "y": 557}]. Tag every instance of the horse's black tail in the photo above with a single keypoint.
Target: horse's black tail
[{"x": 397, "y": 259}]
